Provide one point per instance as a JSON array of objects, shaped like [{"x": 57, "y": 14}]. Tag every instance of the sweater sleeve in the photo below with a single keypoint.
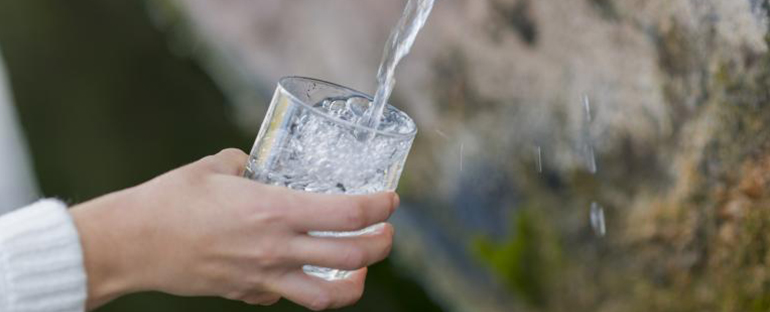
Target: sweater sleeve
[{"x": 41, "y": 260}]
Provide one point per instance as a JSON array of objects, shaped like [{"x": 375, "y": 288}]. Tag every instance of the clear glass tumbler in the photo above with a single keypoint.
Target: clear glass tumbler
[{"x": 313, "y": 139}]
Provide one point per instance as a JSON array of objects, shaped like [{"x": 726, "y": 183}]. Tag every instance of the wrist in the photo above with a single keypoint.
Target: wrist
[{"x": 109, "y": 242}]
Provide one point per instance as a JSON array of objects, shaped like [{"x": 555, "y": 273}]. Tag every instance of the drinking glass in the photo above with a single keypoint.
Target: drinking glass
[{"x": 313, "y": 139}]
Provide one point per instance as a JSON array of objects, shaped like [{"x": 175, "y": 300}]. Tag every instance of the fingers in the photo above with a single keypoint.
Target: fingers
[
  {"x": 229, "y": 161},
  {"x": 308, "y": 211},
  {"x": 322, "y": 212},
  {"x": 263, "y": 299},
  {"x": 346, "y": 253},
  {"x": 318, "y": 294}
]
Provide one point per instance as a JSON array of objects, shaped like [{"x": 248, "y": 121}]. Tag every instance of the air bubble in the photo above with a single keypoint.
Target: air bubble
[{"x": 359, "y": 105}]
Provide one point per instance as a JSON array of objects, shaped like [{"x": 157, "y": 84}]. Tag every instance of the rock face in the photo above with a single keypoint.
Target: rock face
[{"x": 530, "y": 111}]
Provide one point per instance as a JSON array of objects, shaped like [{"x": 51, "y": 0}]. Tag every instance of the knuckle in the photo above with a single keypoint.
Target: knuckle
[
  {"x": 268, "y": 262},
  {"x": 270, "y": 300},
  {"x": 356, "y": 216},
  {"x": 235, "y": 296},
  {"x": 269, "y": 256},
  {"x": 208, "y": 161},
  {"x": 253, "y": 282},
  {"x": 321, "y": 302},
  {"x": 231, "y": 153},
  {"x": 229, "y": 159},
  {"x": 269, "y": 217},
  {"x": 262, "y": 299},
  {"x": 354, "y": 258}
]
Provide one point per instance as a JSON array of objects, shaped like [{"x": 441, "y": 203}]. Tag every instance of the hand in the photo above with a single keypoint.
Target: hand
[{"x": 203, "y": 230}]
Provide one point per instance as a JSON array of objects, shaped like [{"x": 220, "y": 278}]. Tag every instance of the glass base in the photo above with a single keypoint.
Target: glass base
[
  {"x": 335, "y": 274},
  {"x": 326, "y": 273}
]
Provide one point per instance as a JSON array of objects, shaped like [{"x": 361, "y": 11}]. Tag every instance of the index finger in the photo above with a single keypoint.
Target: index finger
[{"x": 325, "y": 212}]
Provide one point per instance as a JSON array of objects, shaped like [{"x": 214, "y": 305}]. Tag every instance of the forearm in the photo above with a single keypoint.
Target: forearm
[
  {"x": 202, "y": 230},
  {"x": 111, "y": 245}
]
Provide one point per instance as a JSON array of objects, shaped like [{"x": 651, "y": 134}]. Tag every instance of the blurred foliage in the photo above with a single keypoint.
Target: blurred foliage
[
  {"x": 105, "y": 106},
  {"x": 526, "y": 260}
]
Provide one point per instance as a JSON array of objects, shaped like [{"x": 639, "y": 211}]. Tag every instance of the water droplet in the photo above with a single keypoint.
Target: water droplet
[
  {"x": 442, "y": 134},
  {"x": 323, "y": 104},
  {"x": 597, "y": 220},
  {"x": 591, "y": 159},
  {"x": 462, "y": 151},
  {"x": 359, "y": 105},
  {"x": 587, "y": 107},
  {"x": 539, "y": 159},
  {"x": 337, "y": 107}
]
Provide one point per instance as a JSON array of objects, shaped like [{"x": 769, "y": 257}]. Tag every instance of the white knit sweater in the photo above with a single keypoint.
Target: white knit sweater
[{"x": 41, "y": 260}]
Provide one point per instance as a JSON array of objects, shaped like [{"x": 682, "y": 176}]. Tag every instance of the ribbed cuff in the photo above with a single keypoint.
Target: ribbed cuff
[{"x": 41, "y": 260}]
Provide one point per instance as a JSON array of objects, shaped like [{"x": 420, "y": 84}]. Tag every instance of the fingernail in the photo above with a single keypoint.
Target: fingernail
[
  {"x": 374, "y": 229},
  {"x": 396, "y": 201},
  {"x": 378, "y": 228}
]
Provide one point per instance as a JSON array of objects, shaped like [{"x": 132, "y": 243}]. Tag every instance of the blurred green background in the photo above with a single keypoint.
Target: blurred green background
[{"x": 105, "y": 105}]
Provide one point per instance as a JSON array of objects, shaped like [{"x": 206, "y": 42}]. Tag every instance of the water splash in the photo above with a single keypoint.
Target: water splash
[
  {"x": 400, "y": 42},
  {"x": 597, "y": 220}
]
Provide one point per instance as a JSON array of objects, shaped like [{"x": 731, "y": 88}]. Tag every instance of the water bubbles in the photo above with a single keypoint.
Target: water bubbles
[
  {"x": 348, "y": 108},
  {"x": 337, "y": 106},
  {"x": 597, "y": 220},
  {"x": 314, "y": 187},
  {"x": 326, "y": 156},
  {"x": 358, "y": 105},
  {"x": 323, "y": 105},
  {"x": 355, "y": 108},
  {"x": 339, "y": 109},
  {"x": 392, "y": 123}
]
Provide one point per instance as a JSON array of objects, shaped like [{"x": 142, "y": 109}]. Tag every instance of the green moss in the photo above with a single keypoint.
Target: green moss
[
  {"x": 761, "y": 304},
  {"x": 526, "y": 261}
]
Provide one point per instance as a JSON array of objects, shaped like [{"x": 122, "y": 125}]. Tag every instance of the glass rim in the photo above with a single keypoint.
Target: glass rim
[{"x": 281, "y": 84}]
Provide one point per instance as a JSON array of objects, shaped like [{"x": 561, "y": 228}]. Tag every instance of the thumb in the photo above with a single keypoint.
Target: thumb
[{"x": 231, "y": 161}]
